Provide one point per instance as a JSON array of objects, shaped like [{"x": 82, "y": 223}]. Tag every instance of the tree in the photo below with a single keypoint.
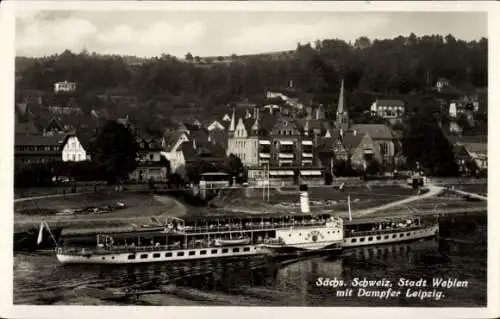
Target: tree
[
  {"x": 115, "y": 150},
  {"x": 189, "y": 57},
  {"x": 372, "y": 167},
  {"x": 236, "y": 168},
  {"x": 424, "y": 142}
]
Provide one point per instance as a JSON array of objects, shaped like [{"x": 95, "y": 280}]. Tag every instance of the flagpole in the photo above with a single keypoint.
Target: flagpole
[{"x": 50, "y": 232}]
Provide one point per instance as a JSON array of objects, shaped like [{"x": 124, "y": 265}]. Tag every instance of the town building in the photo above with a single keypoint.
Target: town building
[
  {"x": 470, "y": 151},
  {"x": 151, "y": 164},
  {"x": 243, "y": 139},
  {"x": 64, "y": 87},
  {"x": 361, "y": 149},
  {"x": 384, "y": 140},
  {"x": 442, "y": 84},
  {"x": 29, "y": 149},
  {"x": 391, "y": 110},
  {"x": 286, "y": 154}
]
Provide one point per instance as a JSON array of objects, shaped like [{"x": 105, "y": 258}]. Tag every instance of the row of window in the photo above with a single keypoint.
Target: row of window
[
  {"x": 370, "y": 238},
  {"x": 42, "y": 148},
  {"x": 190, "y": 253}
]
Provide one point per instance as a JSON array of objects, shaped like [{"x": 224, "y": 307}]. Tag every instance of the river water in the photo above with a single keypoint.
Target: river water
[{"x": 459, "y": 253}]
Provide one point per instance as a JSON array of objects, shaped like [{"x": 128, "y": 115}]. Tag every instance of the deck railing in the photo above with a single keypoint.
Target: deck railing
[
  {"x": 238, "y": 228},
  {"x": 351, "y": 233}
]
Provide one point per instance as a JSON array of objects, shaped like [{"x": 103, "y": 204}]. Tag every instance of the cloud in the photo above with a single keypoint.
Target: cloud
[
  {"x": 276, "y": 36},
  {"x": 155, "y": 38},
  {"x": 36, "y": 34}
]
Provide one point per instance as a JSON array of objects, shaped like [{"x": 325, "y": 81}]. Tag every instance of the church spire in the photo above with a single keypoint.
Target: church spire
[
  {"x": 232, "y": 125},
  {"x": 342, "y": 119},
  {"x": 255, "y": 126},
  {"x": 340, "y": 106}
]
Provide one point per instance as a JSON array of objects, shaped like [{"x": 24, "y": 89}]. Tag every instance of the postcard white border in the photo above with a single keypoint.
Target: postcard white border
[{"x": 7, "y": 53}]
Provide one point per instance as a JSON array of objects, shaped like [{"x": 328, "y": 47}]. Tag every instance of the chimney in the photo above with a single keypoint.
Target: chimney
[{"x": 304, "y": 199}]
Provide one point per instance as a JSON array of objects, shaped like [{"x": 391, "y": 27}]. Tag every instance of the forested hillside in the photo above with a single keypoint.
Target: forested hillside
[{"x": 391, "y": 67}]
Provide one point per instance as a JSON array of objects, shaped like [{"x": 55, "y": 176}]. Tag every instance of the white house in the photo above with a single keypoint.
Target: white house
[
  {"x": 392, "y": 110},
  {"x": 64, "y": 86},
  {"x": 441, "y": 84},
  {"x": 73, "y": 150},
  {"x": 173, "y": 152}
]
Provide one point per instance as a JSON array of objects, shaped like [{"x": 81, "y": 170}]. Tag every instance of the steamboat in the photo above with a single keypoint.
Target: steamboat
[
  {"x": 386, "y": 230},
  {"x": 175, "y": 239}
]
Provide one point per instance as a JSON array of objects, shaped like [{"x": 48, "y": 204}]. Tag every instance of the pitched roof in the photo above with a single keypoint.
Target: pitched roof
[
  {"x": 219, "y": 137},
  {"x": 27, "y": 128},
  {"x": 40, "y": 140},
  {"x": 376, "y": 131},
  {"x": 351, "y": 141}
]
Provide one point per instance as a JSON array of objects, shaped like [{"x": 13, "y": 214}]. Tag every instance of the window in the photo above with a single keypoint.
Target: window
[
  {"x": 224, "y": 251},
  {"x": 168, "y": 254},
  {"x": 144, "y": 256},
  {"x": 362, "y": 239},
  {"x": 203, "y": 252},
  {"x": 401, "y": 235},
  {"x": 191, "y": 253},
  {"x": 394, "y": 236},
  {"x": 386, "y": 237},
  {"x": 407, "y": 234},
  {"x": 354, "y": 240},
  {"x": 180, "y": 253},
  {"x": 370, "y": 238},
  {"x": 246, "y": 249},
  {"x": 236, "y": 250},
  {"x": 379, "y": 237},
  {"x": 214, "y": 251},
  {"x": 156, "y": 255}
]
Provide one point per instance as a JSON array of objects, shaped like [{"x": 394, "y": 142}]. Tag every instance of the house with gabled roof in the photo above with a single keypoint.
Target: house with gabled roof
[
  {"x": 383, "y": 138},
  {"x": 29, "y": 149},
  {"x": 151, "y": 163},
  {"x": 389, "y": 109}
]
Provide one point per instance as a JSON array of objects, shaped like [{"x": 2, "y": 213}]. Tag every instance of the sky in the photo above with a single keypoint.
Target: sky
[{"x": 213, "y": 33}]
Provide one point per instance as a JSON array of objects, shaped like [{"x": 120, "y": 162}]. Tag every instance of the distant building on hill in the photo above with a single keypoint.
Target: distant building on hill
[
  {"x": 441, "y": 84},
  {"x": 391, "y": 110},
  {"x": 64, "y": 87}
]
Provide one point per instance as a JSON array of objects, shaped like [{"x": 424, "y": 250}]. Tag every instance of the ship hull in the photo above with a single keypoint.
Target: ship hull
[
  {"x": 158, "y": 255},
  {"x": 390, "y": 238}
]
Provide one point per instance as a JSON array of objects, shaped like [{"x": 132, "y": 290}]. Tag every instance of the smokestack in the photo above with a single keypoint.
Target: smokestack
[
  {"x": 349, "y": 206},
  {"x": 304, "y": 199}
]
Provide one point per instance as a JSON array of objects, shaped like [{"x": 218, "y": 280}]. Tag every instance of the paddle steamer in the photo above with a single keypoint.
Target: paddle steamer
[{"x": 175, "y": 239}]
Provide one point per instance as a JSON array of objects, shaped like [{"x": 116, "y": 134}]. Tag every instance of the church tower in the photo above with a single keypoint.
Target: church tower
[
  {"x": 342, "y": 117},
  {"x": 232, "y": 124}
]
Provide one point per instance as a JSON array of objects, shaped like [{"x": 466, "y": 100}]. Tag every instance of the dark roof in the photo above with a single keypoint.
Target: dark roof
[
  {"x": 390, "y": 102},
  {"x": 376, "y": 131},
  {"x": 266, "y": 122},
  {"x": 27, "y": 128},
  {"x": 351, "y": 141},
  {"x": 219, "y": 137},
  {"x": 39, "y": 140}
]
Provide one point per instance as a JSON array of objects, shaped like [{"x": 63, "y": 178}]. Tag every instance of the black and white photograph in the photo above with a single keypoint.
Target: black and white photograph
[{"x": 231, "y": 156}]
